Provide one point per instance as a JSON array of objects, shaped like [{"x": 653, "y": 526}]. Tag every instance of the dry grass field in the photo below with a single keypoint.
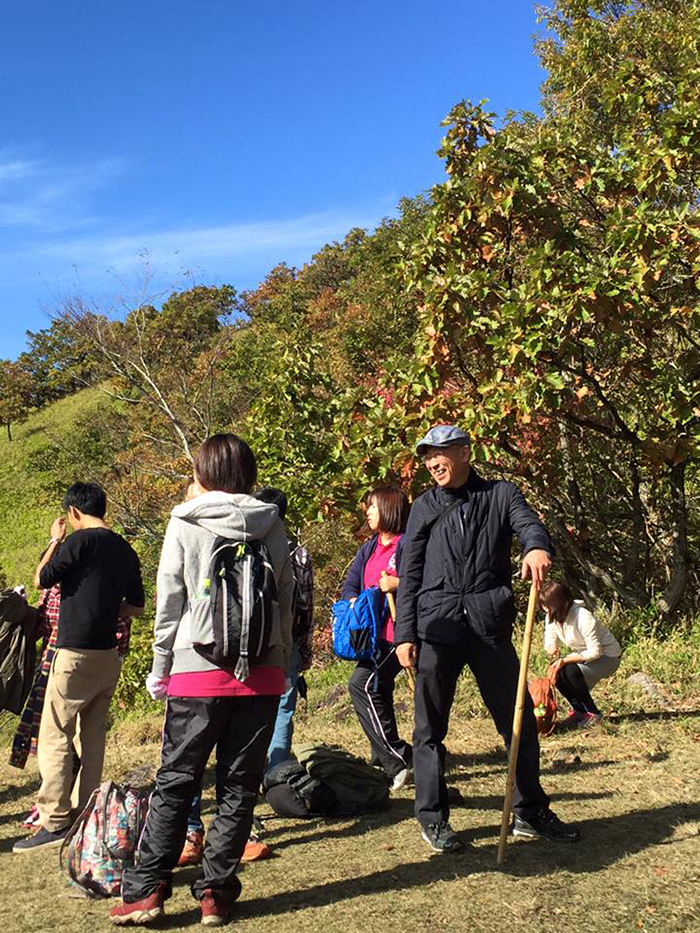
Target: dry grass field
[{"x": 631, "y": 786}]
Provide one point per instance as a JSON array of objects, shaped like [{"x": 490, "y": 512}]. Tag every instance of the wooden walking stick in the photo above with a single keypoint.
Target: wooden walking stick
[
  {"x": 392, "y": 613},
  {"x": 517, "y": 721}
]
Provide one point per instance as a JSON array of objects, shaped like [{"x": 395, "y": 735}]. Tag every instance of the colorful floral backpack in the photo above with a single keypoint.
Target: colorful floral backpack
[
  {"x": 544, "y": 698},
  {"x": 103, "y": 840}
]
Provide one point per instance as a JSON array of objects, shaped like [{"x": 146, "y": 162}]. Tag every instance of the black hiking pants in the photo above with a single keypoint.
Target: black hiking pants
[
  {"x": 372, "y": 693},
  {"x": 572, "y": 684},
  {"x": 495, "y": 668},
  {"x": 240, "y": 728}
]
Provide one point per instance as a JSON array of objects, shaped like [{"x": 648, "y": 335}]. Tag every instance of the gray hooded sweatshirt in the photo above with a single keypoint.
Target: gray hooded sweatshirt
[{"x": 184, "y": 562}]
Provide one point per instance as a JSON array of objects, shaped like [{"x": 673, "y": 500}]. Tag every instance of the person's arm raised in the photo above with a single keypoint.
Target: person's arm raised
[{"x": 57, "y": 534}]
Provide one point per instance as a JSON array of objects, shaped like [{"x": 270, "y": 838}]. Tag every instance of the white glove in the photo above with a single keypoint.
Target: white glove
[{"x": 157, "y": 686}]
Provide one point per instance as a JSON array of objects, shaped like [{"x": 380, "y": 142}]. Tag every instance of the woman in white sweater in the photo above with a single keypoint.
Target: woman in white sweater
[{"x": 593, "y": 652}]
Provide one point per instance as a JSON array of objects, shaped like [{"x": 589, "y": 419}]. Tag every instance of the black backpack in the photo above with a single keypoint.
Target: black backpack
[
  {"x": 18, "y": 623},
  {"x": 231, "y": 622},
  {"x": 292, "y": 792}
]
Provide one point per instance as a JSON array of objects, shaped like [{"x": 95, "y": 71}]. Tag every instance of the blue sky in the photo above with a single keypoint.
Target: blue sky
[{"x": 208, "y": 140}]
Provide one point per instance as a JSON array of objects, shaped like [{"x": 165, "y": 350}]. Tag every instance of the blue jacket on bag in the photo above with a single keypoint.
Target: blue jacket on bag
[
  {"x": 456, "y": 571},
  {"x": 354, "y": 582}
]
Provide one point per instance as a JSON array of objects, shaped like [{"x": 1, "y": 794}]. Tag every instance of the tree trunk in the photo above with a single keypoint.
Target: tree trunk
[
  {"x": 636, "y": 564},
  {"x": 572, "y": 486},
  {"x": 9, "y": 432},
  {"x": 594, "y": 580},
  {"x": 680, "y": 568}
]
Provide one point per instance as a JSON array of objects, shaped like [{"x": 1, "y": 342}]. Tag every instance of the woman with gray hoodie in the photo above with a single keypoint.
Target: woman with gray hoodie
[{"x": 207, "y": 706}]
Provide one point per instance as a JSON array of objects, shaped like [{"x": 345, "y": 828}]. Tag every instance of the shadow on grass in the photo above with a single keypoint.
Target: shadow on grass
[
  {"x": 577, "y": 767},
  {"x": 491, "y": 757},
  {"x": 641, "y": 716},
  {"x": 15, "y": 818},
  {"x": 459, "y": 767},
  {"x": 553, "y": 768},
  {"x": 604, "y": 842},
  {"x": 400, "y": 811},
  {"x": 19, "y": 791}
]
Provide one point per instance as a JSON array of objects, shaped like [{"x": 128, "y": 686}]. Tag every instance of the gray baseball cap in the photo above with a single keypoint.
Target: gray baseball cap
[{"x": 442, "y": 435}]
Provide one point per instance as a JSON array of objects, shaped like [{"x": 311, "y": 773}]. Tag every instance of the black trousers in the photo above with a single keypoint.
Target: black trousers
[
  {"x": 372, "y": 695},
  {"x": 572, "y": 684},
  {"x": 240, "y": 728},
  {"x": 495, "y": 668}
]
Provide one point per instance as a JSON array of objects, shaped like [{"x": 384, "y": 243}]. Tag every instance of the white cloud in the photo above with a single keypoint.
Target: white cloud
[
  {"x": 14, "y": 169},
  {"x": 51, "y": 237},
  {"x": 42, "y": 195},
  {"x": 209, "y": 244}
]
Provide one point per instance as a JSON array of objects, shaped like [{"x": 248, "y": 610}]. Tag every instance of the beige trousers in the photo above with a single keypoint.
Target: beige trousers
[{"x": 78, "y": 694}]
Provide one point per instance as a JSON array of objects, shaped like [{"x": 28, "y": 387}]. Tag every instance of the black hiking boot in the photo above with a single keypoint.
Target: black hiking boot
[
  {"x": 441, "y": 837},
  {"x": 545, "y": 824}
]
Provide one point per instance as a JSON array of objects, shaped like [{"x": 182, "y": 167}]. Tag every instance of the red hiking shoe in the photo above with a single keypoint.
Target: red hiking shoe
[
  {"x": 192, "y": 850},
  {"x": 140, "y": 913},
  {"x": 217, "y": 909}
]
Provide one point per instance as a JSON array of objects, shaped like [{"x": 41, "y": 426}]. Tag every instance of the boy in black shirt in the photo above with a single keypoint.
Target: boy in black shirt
[{"x": 100, "y": 579}]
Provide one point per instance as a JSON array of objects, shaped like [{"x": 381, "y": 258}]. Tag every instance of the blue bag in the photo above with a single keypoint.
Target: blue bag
[{"x": 357, "y": 627}]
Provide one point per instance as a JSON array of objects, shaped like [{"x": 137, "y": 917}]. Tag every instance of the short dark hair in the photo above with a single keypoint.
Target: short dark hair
[
  {"x": 226, "y": 463},
  {"x": 393, "y": 506},
  {"x": 273, "y": 497},
  {"x": 557, "y": 598},
  {"x": 88, "y": 498}
]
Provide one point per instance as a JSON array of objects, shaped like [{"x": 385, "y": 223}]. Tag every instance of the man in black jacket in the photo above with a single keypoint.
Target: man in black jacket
[{"x": 455, "y": 607}]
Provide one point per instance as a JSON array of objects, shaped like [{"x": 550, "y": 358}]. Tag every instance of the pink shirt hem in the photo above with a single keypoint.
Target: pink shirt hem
[{"x": 262, "y": 681}]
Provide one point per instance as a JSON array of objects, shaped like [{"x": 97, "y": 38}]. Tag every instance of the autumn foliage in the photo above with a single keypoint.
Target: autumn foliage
[{"x": 544, "y": 296}]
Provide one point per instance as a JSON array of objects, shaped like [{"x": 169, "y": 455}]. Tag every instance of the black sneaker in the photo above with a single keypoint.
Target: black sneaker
[
  {"x": 42, "y": 839},
  {"x": 441, "y": 837},
  {"x": 545, "y": 824}
]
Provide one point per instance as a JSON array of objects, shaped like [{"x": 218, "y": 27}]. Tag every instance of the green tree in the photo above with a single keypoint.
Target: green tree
[
  {"x": 59, "y": 362},
  {"x": 557, "y": 282},
  {"x": 15, "y": 394}
]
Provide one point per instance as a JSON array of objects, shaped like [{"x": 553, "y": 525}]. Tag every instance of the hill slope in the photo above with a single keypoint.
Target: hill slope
[{"x": 29, "y": 495}]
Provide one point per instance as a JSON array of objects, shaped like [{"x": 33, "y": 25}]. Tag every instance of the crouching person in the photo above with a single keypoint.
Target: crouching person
[
  {"x": 593, "y": 652},
  {"x": 207, "y": 705}
]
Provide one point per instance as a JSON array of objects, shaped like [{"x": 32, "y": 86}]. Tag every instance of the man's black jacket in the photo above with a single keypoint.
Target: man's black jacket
[{"x": 456, "y": 570}]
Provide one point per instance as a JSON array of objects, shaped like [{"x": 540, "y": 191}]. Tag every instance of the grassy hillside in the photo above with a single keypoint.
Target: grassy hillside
[
  {"x": 29, "y": 498},
  {"x": 630, "y": 786}
]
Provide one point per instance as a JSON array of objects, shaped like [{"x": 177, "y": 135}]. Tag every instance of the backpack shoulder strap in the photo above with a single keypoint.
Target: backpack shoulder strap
[
  {"x": 441, "y": 516},
  {"x": 77, "y": 826}
]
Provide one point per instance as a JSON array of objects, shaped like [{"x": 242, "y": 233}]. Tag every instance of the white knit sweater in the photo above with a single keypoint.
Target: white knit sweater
[{"x": 582, "y": 633}]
